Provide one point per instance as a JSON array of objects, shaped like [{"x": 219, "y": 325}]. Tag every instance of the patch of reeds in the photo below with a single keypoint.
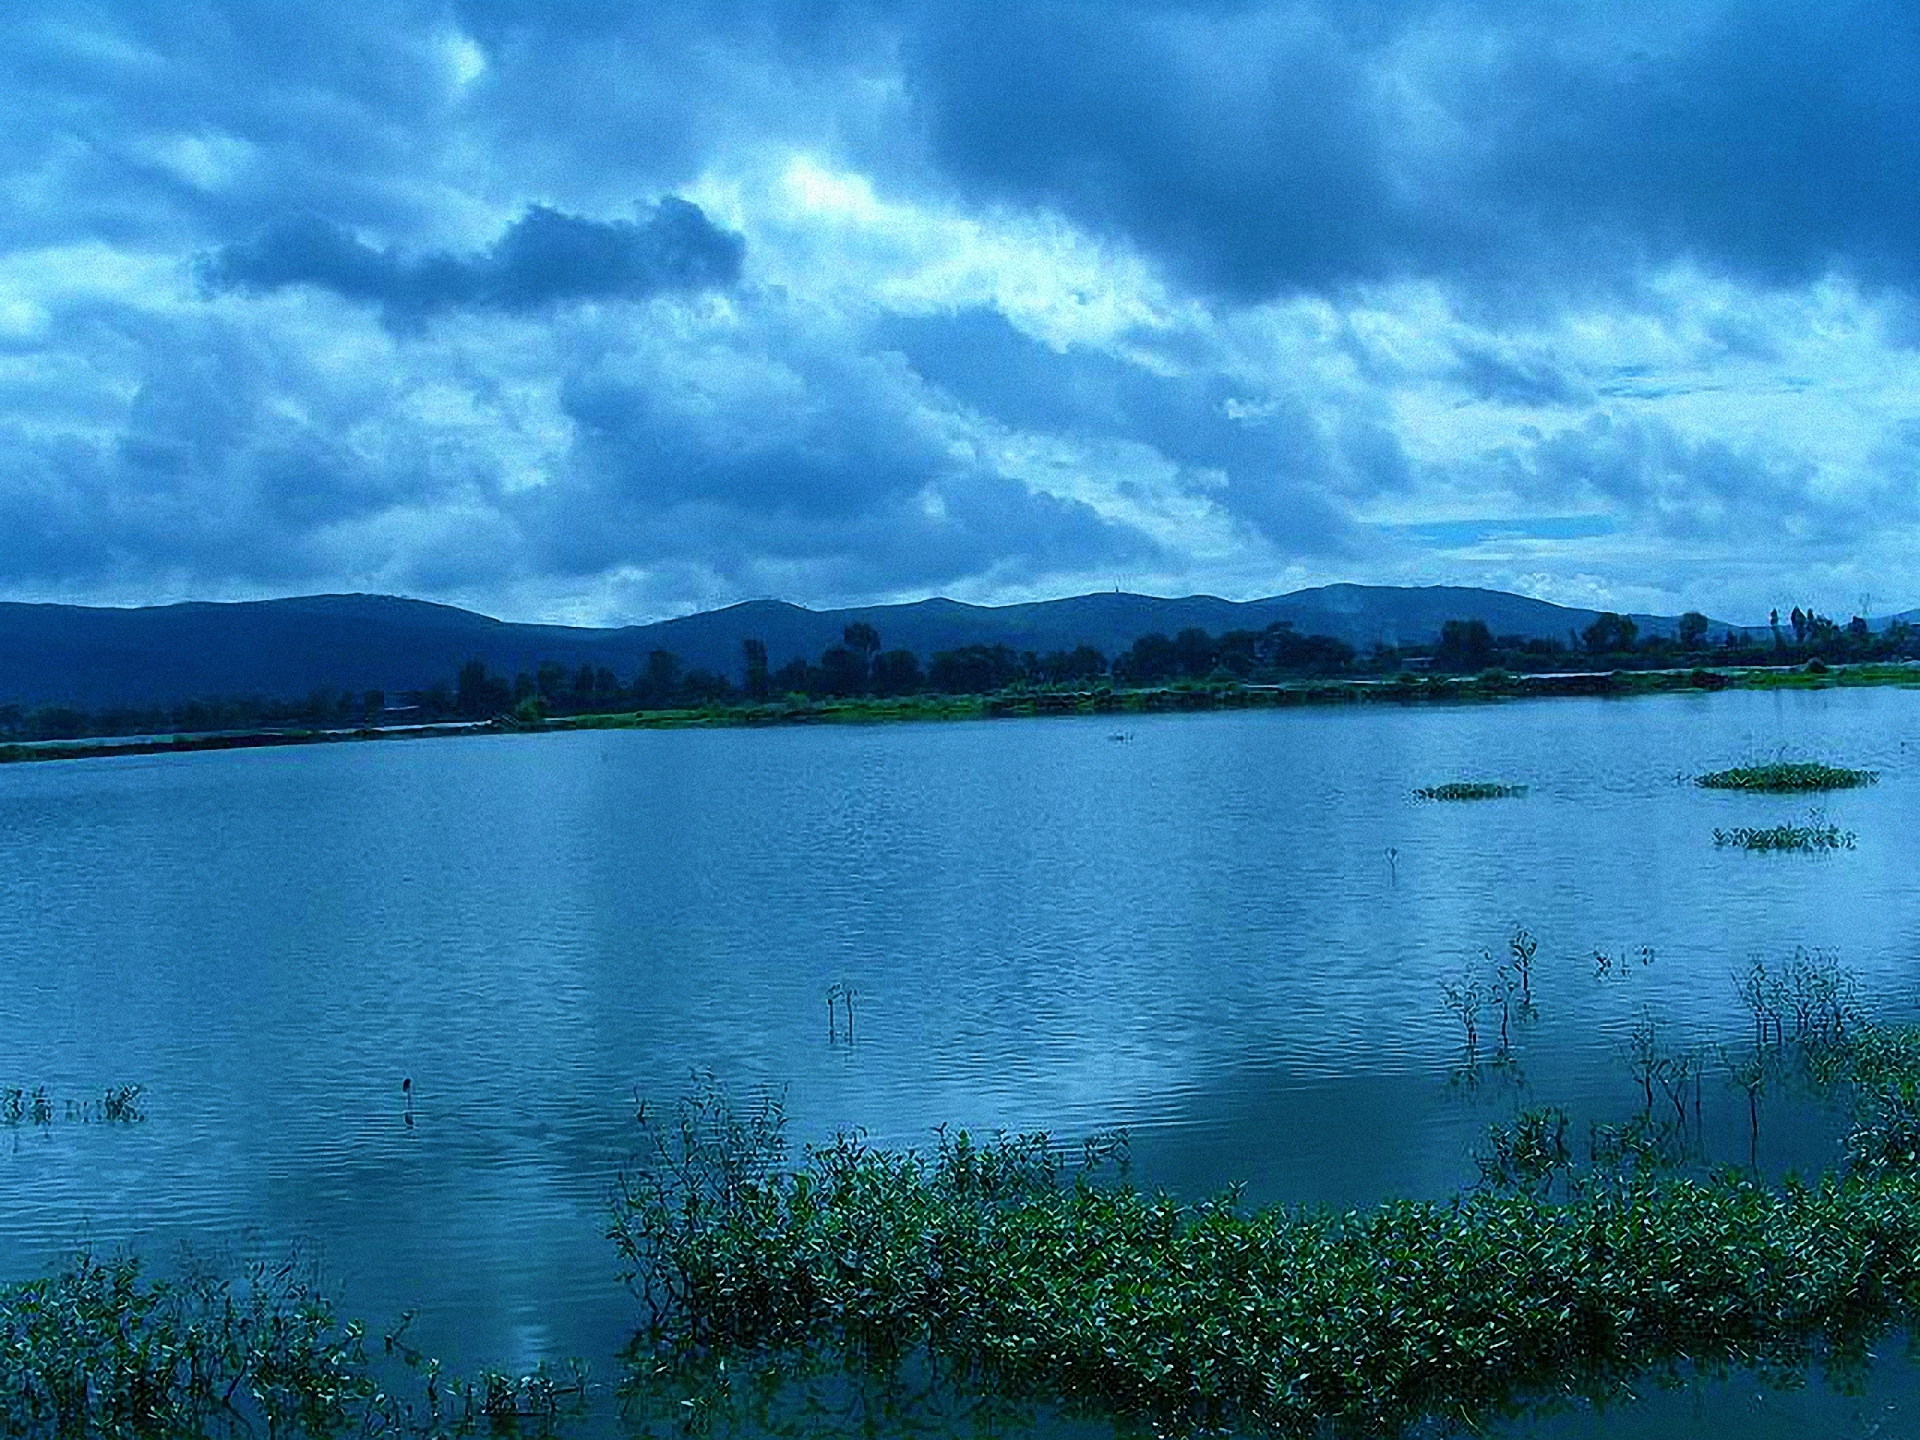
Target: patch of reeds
[
  {"x": 1818, "y": 835},
  {"x": 1470, "y": 790},
  {"x": 1787, "y": 777},
  {"x": 1033, "y": 1276}
]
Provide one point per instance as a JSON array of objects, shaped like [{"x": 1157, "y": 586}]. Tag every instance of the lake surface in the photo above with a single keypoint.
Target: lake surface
[{"x": 1226, "y": 932}]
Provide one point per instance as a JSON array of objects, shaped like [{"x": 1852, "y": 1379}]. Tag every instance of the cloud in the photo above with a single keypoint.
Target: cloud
[
  {"x": 1273, "y": 465},
  {"x": 1698, "y": 490},
  {"x": 1530, "y": 381},
  {"x": 545, "y": 258},
  {"x": 766, "y": 442},
  {"x": 1521, "y": 152},
  {"x": 1000, "y": 300}
]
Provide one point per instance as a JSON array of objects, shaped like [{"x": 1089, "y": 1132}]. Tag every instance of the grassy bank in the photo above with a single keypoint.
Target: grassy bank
[
  {"x": 1065, "y": 1283},
  {"x": 1407, "y": 689}
]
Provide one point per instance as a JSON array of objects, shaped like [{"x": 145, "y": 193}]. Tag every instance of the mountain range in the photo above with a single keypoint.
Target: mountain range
[{"x": 96, "y": 657}]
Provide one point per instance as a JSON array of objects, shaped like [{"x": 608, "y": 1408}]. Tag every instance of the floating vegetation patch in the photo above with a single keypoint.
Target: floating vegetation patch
[
  {"x": 117, "y": 1105},
  {"x": 1817, "y": 836},
  {"x": 1032, "y": 1276},
  {"x": 1470, "y": 790},
  {"x": 1787, "y": 777}
]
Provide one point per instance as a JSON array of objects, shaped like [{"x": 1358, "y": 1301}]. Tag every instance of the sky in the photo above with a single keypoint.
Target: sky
[{"x": 602, "y": 313}]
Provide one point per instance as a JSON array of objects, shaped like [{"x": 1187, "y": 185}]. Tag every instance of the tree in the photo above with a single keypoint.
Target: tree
[
  {"x": 796, "y": 677},
  {"x": 479, "y": 694},
  {"x": 972, "y": 670},
  {"x": 1084, "y": 662},
  {"x": 842, "y": 671},
  {"x": 845, "y": 665},
  {"x": 1465, "y": 646},
  {"x": 549, "y": 678},
  {"x": 861, "y": 638},
  {"x": 1693, "y": 630},
  {"x": 1237, "y": 652},
  {"x": 703, "y": 687},
  {"x": 1283, "y": 648},
  {"x": 1194, "y": 653},
  {"x": 896, "y": 672},
  {"x": 372, "y": 704},
  {"x": 1152, "y": 657},
  {"x": 1610, "y": 634},
  {"x": 753, "y": 654},
  {"x": 655, "y": 686}
]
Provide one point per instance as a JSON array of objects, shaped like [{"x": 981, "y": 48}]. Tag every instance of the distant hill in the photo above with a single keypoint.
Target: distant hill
[{"x": 284, "y": 649}]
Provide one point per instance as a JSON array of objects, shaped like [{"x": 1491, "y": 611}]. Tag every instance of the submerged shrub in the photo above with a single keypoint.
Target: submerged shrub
[
  {"x": 1470, "y": 790},
  {"x": 1040, "y": 1278},
  {"x": 1787, "y": 777}
]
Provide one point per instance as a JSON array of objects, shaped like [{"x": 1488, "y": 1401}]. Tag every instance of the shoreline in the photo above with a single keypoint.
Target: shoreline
[{"x": 1189, "y": 697}]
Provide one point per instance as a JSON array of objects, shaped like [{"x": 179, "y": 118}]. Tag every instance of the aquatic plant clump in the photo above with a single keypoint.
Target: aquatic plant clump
[
  {"x": 1058, "y": 1282},
  {"x": 102, "y": 1349},
  {"x": 1787, "y": 777},
  {"x": 1816, "y": 837},
  {"x": 1470, "y": 790}
]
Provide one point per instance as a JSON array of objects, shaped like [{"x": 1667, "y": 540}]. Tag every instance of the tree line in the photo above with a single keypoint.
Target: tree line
[
  {"x": 860, "y": 666},
  {"x": 1469, "y": 646}
]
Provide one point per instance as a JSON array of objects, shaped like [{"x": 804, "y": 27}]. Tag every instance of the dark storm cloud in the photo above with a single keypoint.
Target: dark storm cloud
[
  {"x": 1522, "y": 158},
  {"x": 1514, "y": 149},
  {"x": 544, "y": 258},
  {"x": 802, "y": 451},
  {"x": 228, "y": 466},
  {"x": 1518, "y": 150}
]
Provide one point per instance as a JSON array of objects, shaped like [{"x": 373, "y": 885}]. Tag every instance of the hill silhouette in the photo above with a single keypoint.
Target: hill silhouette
[{"x": 95, "y": 657}]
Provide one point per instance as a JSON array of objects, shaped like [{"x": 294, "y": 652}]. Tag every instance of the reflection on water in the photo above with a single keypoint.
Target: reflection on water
[{"x": 1229, "y": 936}]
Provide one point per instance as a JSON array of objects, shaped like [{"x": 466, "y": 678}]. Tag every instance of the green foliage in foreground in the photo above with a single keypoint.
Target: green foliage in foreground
[
  {"x": 100, "y": 1349},
  {"x": 1816, "y": 836},
  {"x": 1031, "y": 1278},
  {"x": 1787, "y": 777},
  {"x": 1470, "y": 790}
]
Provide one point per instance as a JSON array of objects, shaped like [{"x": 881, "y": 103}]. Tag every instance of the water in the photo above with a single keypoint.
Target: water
[{"x": 1225, "y": 932}]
